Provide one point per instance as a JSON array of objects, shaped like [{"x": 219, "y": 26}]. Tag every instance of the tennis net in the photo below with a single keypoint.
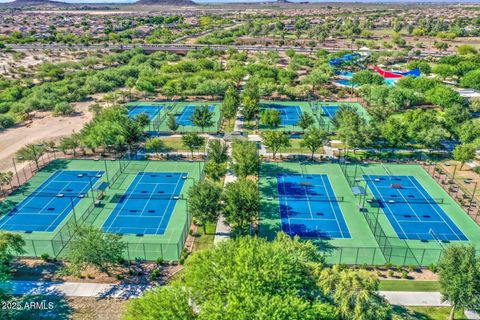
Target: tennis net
[
  {"x": 312, "y": 198},
  {"x": 59, "y": 194},
  {"x": 148, "y": 196},
  {"x": 406, "y": 200}
]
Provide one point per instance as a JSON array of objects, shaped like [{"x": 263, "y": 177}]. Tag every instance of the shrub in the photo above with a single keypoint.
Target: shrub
[
  {"x": 155, "y": 274},
  {"x": 159, "y": 260},
  {"x": 387, "y": 265},
  {"x": 390, "y": 273},
  {"x": 404, "y": 274},
  {"x": 433, "y": 268},
  {"x": 6, "y": 121},
  {"x": 44, "y": 256}
]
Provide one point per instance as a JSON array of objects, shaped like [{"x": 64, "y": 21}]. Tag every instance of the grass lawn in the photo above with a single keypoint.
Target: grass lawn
[
  {"x": 228, "y": 126},
  {"x": 173, "y": 144},
  {"x": 426, "y": 313},
  {"x": 204, "y": 241},
  {"x": 409, "y": 285}
]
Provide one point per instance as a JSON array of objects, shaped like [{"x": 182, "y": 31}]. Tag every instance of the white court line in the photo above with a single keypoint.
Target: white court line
[
  {"x": 139, "y": 176},
  {"x": 25, "y": 201},
  {"x": 433, "y": 207},
  {"x": 87, "y": 185},
  {"x": 331, "y": 205},
  {"x": 165, "y": 210},
  {"x": 372, "y": 182}
]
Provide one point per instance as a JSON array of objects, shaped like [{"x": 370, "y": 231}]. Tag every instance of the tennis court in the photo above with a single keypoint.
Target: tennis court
[
  {"x": 184, "y": 119},
  {"x": 48, "y": 205},
  {"x": 147, "y": 205},
  {"x": 150, "y": 110},
  {"x": 412, "y": 212},
  {"x": 330, "y": 111},
  {"x": 289, "y": 115},
  {"x": 309, "y": 207}
]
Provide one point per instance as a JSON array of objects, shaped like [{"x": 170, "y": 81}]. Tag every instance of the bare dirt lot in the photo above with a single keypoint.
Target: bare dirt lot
[{"x": 43, "y": 126}]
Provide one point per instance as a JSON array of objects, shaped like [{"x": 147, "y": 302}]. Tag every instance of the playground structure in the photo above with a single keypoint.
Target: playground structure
[
  {"x": 347, "y": 58},
  {"x": 397, "y": 74}
]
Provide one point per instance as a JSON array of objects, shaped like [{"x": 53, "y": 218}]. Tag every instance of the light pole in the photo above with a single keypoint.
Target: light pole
[{"x": 16, "y": 172}]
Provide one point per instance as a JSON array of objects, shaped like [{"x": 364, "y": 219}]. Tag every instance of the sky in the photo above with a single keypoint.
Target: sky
[{"x": 253, "y": 1}]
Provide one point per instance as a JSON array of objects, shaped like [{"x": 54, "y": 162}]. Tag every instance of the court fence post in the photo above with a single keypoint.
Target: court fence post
[
  {"x": 161, "y": 251},
  {"x": 423, "y": 255},
  {"x": 373, "y": 257},
  {"x": 405, "y": 257},
  {"x": 356, "y": 258},
  {"x": 341, "y": 255},
  {"x": 144, "y": 252},
  {"x": 33, "y": 246}
]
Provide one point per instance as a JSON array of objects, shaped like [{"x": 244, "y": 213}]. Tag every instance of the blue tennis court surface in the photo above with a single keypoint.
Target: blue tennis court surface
[
  {"x": 330, "y": 111},
  {"x": 147, "y": 205},
  {"x": 46, "y": 207},
  {"x": 289, "y": 115},
  {"x": 309, "y": 208},
  {"x": 411, "y": 211},
  {"x": 150, "y": 111},
  {"x": 184, "y": 118}
]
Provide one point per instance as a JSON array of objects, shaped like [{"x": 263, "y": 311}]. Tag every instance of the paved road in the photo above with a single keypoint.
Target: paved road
[{"x": 186, "y": 47}]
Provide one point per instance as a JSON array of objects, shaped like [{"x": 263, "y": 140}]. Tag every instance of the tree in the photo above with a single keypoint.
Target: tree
[
  {"x": 318, "y": 77},
  {"x": 70, "y": 143},
  {"x": 91, "y": 247},
  {"x": 31, "y": 152},
  {"x": 270, "y": 118},
  {"x": 275, "y": 140},
  {"x": 193, "y": 141},
  {"x": 313, "y": 139},
  {"x": 202, "y": 117},
  {"x": 354, "y": 293},
  {"x": 459, "y": 277},
  {"x": 350, "y": 126},
  {"x": 366, "y": 77},
  {"x": 455, "y": 116},
  {"x": 241, "y": 203},
  {"x": 217, "y": 151},
  {"x": 471, "y": 79},
  {"x": 204, "y": 202},
  {"x": 305, "y": 120},
  {"x": 250, "y": 277},
  {"x": 230, "y": 103},
  {"x": 142, "y": 119},
  {"x": 394, "y": 132},
  {"x": 249, "y": 108},
  {"x": 155, "y": 144},
  {"x": 215, "y": 171},
  {"x": 11, "y": 244},
  {"x": 245, "y": 159},
  {"x": 162, "y": 303},
  {"x": 464, "y": 153},
  {"x": 172, "y": 123},
  {"x": 5, "y": 179}
]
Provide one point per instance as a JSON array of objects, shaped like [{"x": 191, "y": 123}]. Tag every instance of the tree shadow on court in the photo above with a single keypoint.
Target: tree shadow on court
[
  {"x": 27, "y": 307},
  {"x": 270, "y": 223}
]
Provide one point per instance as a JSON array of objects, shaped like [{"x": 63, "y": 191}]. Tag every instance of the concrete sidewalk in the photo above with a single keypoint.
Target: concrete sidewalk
[
  {"x": 74, "y": 289},
  {"x": 125, "y": 291},
  {"x": 406, "y": 298}
]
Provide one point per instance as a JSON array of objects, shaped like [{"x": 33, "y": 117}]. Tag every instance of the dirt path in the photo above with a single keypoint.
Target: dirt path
[{"x": 44, "y": 126}]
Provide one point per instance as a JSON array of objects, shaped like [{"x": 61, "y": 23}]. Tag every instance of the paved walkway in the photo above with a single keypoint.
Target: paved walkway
[
  {"x": 74, "y": 289},
  {"x": 125, "y": 291},
  {"x": 414, "y": 298},
  {"x": 223, "y": 230}
]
